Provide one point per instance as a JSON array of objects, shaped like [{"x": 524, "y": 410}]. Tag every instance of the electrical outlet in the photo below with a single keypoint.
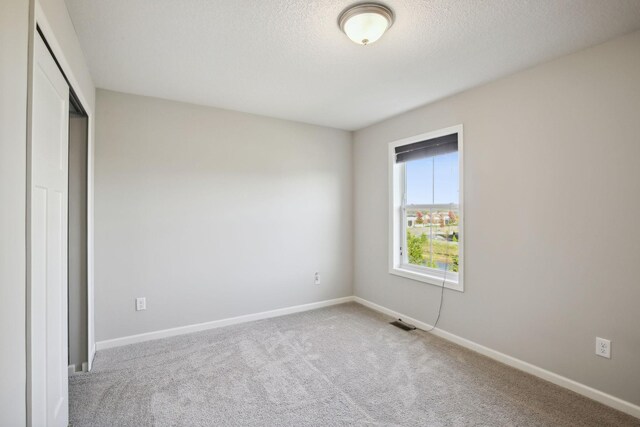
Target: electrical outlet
[
  {"x": 603, "y": 347},
  {"x": 141, "y": 304},
  {"x": 316, "y": 280}
]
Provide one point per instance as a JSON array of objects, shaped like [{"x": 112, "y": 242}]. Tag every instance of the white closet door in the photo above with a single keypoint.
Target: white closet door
[{"x": 49, "y": 397}]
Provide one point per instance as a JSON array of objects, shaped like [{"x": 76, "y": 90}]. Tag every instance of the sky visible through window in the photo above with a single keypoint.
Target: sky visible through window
[{"x": 421, "y": 175}]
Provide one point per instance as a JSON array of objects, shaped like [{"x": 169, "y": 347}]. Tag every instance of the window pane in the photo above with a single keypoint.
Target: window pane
[
  {"x": 432, "y": 238},
  {"x": 419, "y": 181},
  {"x": 418, "y": 236},
  {"x": 444, "y": 243},
  {"x": 445, "y": 175},
  {"x": 433, "y": 234}
]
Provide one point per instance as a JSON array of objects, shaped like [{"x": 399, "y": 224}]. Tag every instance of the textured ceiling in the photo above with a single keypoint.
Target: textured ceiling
[{"x": 288, "y": 59}]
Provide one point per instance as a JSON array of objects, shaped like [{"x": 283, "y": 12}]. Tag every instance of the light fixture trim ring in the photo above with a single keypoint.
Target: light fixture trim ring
[{"x": 360, "y": 8}]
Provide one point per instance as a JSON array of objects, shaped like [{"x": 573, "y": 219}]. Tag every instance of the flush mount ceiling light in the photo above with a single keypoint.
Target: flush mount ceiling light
[{"x": 365, "y": 23}]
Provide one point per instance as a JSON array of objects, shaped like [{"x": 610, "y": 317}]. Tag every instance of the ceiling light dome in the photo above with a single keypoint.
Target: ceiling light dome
[{"x": 365, "y": 23}]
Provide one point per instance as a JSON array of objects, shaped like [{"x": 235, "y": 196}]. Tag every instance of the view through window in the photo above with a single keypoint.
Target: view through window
[{"x": 431, "y": 211}]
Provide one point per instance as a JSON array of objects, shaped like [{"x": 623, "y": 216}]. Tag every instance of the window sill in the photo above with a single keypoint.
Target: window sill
[{"x": 413, "y": 274}]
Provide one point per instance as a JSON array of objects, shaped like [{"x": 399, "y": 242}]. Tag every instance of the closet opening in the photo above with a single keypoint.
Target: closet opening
[{"x": 77, "y": 235}]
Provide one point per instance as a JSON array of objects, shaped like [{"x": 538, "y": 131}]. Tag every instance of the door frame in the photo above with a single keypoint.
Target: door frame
[{"x": 39, "y": 25}]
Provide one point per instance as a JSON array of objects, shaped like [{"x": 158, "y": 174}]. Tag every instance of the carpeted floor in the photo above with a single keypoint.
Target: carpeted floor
[{"x": 342, "y": 365}]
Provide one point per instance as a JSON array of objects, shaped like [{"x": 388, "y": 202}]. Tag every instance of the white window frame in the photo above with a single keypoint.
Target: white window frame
[{"x": 398, "y": 265}]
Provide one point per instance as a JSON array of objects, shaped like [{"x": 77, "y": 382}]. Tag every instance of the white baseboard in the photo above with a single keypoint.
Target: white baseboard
[
  {"x": 591, "y": 393},
  {"x": 132, "y": 339},
  {"x": 72, "y": 368}
]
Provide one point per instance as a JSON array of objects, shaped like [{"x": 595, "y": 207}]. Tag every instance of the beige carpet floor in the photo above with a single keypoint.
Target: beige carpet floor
[{"x": 337, "y": 366}]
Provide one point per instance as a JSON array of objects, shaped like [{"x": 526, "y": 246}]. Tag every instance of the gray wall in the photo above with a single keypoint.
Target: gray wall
[
  {"x": 552, "y": 193},
  {"x": 14, "y": 24},
  {"x": 78, "y": 348},
  {"x": 212, "y": 214}
]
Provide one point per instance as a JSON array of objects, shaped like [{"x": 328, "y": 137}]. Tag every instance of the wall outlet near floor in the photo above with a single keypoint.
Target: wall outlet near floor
[
  {"x": 316, "y": 280},
  {"x": 141, "y": 304},
  {"x": 603, "y": 347}
]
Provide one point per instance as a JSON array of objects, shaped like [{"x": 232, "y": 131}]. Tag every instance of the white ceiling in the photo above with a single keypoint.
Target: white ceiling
[{"x": 288, "y": 58}]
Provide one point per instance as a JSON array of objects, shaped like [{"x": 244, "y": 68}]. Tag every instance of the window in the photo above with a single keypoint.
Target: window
[{"x": 425, "y": 230}]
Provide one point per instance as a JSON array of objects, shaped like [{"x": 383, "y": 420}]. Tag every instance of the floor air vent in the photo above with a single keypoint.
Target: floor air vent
[{"x": 403, "y": 325}]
